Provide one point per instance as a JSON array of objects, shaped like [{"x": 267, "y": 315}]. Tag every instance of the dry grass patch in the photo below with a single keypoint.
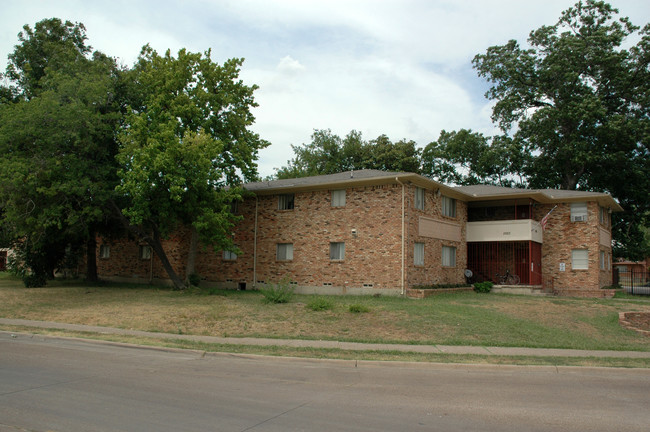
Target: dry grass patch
[{"x": 450, "y": 319}]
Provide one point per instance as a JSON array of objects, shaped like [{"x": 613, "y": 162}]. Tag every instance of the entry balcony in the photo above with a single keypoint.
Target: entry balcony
[{"x": 505, "y": 231}]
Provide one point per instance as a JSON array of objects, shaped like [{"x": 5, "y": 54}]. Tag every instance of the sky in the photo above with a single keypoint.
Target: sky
[{"x": 402, "y": 68}]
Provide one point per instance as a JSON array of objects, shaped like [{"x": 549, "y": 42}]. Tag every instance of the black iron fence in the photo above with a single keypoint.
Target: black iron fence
[{"x": 632, "y": 281}]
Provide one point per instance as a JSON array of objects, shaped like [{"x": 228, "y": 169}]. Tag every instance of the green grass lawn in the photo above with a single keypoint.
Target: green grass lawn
[{"x": 464, "y": 318}]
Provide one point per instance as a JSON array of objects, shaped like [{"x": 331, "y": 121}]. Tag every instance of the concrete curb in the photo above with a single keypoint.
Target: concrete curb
[{"x": 349, "y": 346}]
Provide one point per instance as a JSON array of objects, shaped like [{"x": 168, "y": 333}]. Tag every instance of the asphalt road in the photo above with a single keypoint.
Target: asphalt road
[{"x": 49, "y": 384}]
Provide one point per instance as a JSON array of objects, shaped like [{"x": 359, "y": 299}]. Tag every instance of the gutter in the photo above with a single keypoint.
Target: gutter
[{"x": 403, "y": 239}]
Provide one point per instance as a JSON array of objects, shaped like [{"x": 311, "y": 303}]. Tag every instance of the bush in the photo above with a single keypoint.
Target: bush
[
  {"x": 282, "y": 292},
  {"x": 34, "y": 280},
  {"x": 320, "y": 304},
  {"x": 194, "y": 279},
  {"x": 483, "y": 287},
  {"x": 358, "y": 308}
]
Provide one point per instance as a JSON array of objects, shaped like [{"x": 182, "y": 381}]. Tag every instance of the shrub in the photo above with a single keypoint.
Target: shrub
[
  {"x": 194, "y": 279},
  {"x": 320, "y": 304},
  {"x": 483, "y": 287},
  {"x": 359, "y": 308},
  {"x": 282, "y": 292}
]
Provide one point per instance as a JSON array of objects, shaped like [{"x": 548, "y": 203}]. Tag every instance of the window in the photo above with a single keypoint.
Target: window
[
  {"x": 285, "y": 202},
  {"x": 234, "y": 207},
  {"x": 419, "y": 198},
  {"x": 602, "y": 260},
  {"x": 448, "y": 256},
  {"x": 579, "y": 212},
  {"x": 418, "y": 254},
  {"x": 104, "y": 251},
  {"x": 448, "y": 207},
  {"x": 337, "y": 251},
  {"x": 579, "y": 259},
  {"x": 338, "y": 198},
  {"x": 229, "y": 255},
  {"x": 603, "y": 214},
  {"x": 145, "y": 252},
  {"x": 284, "y": 252}
]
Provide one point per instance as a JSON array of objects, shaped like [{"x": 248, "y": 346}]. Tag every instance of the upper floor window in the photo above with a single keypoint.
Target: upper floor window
[
  {"x": 448, "y": 207},
  {"x": 419, "y": 198},
  {"x": 338, "y": 198},
  {"x": 286, "y": 202},
  {"x": 579, "y": 212},
  {"x": 603, "y": 216}
]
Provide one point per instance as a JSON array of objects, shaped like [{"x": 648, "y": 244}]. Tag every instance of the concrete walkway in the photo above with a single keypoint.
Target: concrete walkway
[{"x": 353, "y": 346}]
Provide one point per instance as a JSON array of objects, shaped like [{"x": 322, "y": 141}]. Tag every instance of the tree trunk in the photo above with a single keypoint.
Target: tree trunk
[
  {"x": 154, "y": 242},
  {"x": 191, "y": 254},
  {"x": 91, "y": 258},
  {"x": 156, "y": 245}
]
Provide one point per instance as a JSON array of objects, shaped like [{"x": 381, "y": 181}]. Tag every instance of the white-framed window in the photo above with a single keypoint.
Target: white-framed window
[
  {"x": 145, "y": 252},
  {"x": 579, "y": 212},
  {"x": 286, "y": 201},
  {"x": 338, "y": 198},
  {"x": 579, "y": 259},
  {"x": 337, "y": 251},
  {"x": 418, "y": 254},
  {"x": 284, "y": 252},
  {"x": 448, "y": 256},
  {"x": 229, "y": 255},
  {"x": 602, "y": 260},
  {"x": 419, "y": 198},
  {"x": 104, "y": 251},
  {"x": 448, "y": 207}
]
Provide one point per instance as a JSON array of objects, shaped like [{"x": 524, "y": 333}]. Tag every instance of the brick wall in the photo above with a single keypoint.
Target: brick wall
[
  {"x": 432, "y": 272},
  {"x": 561, "y": 237}
]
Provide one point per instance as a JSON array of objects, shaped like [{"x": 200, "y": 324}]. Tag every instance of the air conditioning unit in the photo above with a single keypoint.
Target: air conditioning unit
[{"x": 579, "y": 218}]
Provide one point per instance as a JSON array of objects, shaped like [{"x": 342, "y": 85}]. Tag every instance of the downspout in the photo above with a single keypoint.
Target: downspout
[
  {"x": 403, "y": 229},
  {"x": 255, "y": 246}
]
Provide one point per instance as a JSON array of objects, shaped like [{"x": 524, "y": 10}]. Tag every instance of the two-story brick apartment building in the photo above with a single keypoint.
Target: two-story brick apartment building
[{"x": 379, "y": 232}]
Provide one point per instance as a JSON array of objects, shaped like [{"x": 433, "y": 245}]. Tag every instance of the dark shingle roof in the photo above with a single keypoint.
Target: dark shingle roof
[{"x": 345, "y": 176}]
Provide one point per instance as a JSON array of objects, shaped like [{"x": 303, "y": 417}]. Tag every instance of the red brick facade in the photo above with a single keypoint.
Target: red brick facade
[{"x": 377, "y": 257}]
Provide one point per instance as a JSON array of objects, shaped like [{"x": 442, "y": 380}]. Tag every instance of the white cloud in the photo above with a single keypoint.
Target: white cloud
[{"x": 395, "y": 67}]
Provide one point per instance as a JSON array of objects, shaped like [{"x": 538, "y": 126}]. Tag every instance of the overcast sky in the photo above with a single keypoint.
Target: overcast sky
[{"x": 395, "y": 67}]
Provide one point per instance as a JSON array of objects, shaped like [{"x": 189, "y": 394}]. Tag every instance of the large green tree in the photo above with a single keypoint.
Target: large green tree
[
  {"x": 57, "y": 140},
  {"x": 185, "y": 147},
  {"x": 327, "y": 153},
  {"x": 573, "y": 105}
]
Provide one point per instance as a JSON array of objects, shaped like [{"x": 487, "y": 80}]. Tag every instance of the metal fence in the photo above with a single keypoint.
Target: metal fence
[{"x": 633, "y": 281}]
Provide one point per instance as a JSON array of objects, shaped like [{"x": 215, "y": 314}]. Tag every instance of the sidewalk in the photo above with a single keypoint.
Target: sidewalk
[{"x": 352, "y": 346}]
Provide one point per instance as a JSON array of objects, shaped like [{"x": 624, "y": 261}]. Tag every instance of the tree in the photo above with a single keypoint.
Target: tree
[
  {"x": 576, "y": 105},
  {"x": 466, "y": 158},
  {"x": 328, "y": 154},
  {"x": 185, "y": 148},
  {"x": 57, "y": 139}
]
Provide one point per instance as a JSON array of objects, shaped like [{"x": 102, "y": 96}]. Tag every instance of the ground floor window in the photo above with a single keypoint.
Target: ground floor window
[
  {"x": 104, "y": 251},
  {"x": 418, "y": 254},
  {"x": 284, "y": 251},
  {"x": 580, "y": 259},
  {"x": 145, "y": 252},
  {"x": 448, "y": 256},
  {"x": 229, "y": 255},
  {"x": 337, "y": 251}
]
